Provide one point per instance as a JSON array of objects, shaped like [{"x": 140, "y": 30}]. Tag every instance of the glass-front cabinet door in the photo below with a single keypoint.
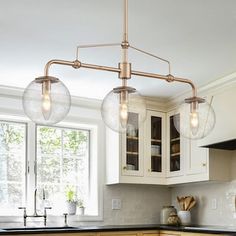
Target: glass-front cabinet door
[
  {"x": 174, "y": 148},
  {"x": 154, "y": 143},
  {"x": 132, "y": 147}
]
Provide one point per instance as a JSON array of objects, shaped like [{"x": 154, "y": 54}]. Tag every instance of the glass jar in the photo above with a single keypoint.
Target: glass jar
[{"x": 165, "y": 213}]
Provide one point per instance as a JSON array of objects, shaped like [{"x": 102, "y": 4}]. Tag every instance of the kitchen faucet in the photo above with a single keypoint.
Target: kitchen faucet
[{"x": 35, "y": 214}]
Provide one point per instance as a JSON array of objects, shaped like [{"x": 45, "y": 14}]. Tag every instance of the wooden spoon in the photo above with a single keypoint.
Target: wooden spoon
[
  {"x": 181, "y": 203},
  {"x": 187, "y": 202},
  {"x": 192, "y": 204}
]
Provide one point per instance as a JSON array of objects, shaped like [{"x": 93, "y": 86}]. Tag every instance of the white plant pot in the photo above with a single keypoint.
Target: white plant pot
[
  {"x": 81, "y": 211},
  {"x": 71, "y": 208},
  {"x": 185, "y": 217}
]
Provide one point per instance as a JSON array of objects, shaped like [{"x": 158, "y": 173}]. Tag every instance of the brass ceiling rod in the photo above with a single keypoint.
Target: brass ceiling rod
[{"x": 124, "y": 69}]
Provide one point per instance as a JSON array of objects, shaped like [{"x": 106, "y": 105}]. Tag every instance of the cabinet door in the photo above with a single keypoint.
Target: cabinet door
[
  {"x": 154, "y": 144},
  {"x": 197, "y": 159},
  {"x": 132, "y": 147},
  {"x": 175, "y": 149},
  {"x": 150, "y": 234}
]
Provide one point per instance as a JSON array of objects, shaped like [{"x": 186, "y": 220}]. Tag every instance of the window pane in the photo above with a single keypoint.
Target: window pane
[
  {"x": 62, "y": 163},
  {"x": 12, "y": 166}
]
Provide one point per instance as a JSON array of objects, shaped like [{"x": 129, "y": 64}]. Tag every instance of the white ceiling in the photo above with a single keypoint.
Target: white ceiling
[{"x": 197, "y": 36}]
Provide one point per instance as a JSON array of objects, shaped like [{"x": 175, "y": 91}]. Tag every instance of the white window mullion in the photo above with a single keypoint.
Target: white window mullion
[{"x": 31, "y": 154}]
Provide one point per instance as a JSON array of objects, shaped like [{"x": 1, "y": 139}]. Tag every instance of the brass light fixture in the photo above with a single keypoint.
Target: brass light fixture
[{"x": 46, "y": 100}]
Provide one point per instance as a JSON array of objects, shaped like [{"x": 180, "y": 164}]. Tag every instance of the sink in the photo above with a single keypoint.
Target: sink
[{"x": 39, "y": 228}]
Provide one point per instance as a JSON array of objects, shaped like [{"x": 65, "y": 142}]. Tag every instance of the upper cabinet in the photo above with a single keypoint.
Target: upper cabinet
[
  {"x": 155, "y": 153},
  {"x": 137, "y": 156}
]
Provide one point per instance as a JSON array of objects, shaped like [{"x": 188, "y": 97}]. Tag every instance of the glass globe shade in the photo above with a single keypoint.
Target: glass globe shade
[
  {"x": 48, "y": 107},
  {"x": 194, "y": 124},
  {"x": 113, "y": 110}
]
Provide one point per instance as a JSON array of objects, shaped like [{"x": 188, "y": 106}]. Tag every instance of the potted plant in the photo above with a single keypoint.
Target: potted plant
[
  {"x": 71, "y": 201},
  {"x": 80, "y": 204}
]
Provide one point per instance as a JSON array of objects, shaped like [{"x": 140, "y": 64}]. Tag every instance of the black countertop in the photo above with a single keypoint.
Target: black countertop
[{"x": 48, "y": 230}]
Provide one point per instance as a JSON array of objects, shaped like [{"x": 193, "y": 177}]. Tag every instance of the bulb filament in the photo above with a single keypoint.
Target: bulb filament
[
  {"x": 123, "y": 109},
  {"x": 46, "y": 100},
  {"x": 194, "y": 122}
]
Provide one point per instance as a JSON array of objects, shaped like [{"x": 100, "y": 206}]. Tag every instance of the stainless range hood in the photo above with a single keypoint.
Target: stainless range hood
[{"x": 226, "y": 145}]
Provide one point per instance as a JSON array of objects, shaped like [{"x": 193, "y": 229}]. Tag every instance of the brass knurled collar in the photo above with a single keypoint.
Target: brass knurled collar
[{"x": 125, "y": 70}]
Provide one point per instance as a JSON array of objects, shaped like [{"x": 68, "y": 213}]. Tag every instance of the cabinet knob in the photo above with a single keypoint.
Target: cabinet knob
[
  {"x": 149, "y": 170},
  {"x": 124, "y": 168},
  {"x": 203, "y": 164}
]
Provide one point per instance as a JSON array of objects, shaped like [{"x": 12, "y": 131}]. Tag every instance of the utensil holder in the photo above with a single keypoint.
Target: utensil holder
[{"x": 185, "y": 217}]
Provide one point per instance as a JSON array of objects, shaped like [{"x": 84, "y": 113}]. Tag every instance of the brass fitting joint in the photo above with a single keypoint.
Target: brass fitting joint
[
  {"x": 77, "y": 64},
  {"x": 170, "y": 78},
  {"x": 125, "y": 45},
  {"x": 125, "y": 70}
]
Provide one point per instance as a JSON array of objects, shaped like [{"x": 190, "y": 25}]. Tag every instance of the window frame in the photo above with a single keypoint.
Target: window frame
[
  {"x": 96, "y": 152},
  {"x": 16, "y": 121}
]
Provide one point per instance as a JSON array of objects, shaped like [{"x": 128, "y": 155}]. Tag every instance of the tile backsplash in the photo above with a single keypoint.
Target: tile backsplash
[
  {"x": 206, "y": 194},
  {"x": 140, "y": 204}
]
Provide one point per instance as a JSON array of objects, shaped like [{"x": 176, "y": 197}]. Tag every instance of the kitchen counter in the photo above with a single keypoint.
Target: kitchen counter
[{"x": 86, "y": 229}]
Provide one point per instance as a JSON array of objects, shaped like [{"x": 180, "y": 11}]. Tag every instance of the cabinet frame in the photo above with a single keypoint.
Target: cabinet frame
[{"x": 123, "y": 141}]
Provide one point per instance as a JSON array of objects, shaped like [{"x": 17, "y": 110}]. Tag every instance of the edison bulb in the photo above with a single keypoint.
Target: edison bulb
[
  {"x": 194, "y": 122},
  {"x": 119, "y": 104},
  {"x": 46, "y": 100},
  {"x": 124, "y": 115},
  {"x": 46, "y": 105}
]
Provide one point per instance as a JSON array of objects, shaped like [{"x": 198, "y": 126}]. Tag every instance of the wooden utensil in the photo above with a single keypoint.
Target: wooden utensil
[
  {"x": 178, "y": 198},
  {"x": 181, "y": 203},
  {"x": 187, "y": 202},
  {"x": 192, "y": 204}
]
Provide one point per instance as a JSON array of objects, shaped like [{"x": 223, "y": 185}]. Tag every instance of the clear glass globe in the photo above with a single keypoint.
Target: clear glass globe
[
  {"x": 46, "y": 100},
  {"x": 194, "y": 124},
  {"x": 119, "y": 104}
]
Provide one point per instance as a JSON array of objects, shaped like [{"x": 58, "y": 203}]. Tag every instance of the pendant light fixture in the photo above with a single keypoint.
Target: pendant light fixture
[
  {"x": 195, "y": 118},
  {"x": 46, "y": 100}
]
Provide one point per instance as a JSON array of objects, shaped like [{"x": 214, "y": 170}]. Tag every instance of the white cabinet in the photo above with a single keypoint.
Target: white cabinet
[
  {"x": 137, "y": 156},
  {"x": 196, "y": 159},
  {"x": 194, "y": 163},
  {"x": 157, "y": 154}
]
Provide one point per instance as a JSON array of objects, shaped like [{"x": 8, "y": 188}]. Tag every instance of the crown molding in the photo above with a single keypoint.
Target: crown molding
[
  {"x": 17, "y": 93},
  {"x": 155, "y": 103}
]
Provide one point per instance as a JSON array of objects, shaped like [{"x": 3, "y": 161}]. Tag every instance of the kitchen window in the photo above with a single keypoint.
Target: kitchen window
[
  {"x": 52, "y": 159},
  {"x": 62, "y": 165}
]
